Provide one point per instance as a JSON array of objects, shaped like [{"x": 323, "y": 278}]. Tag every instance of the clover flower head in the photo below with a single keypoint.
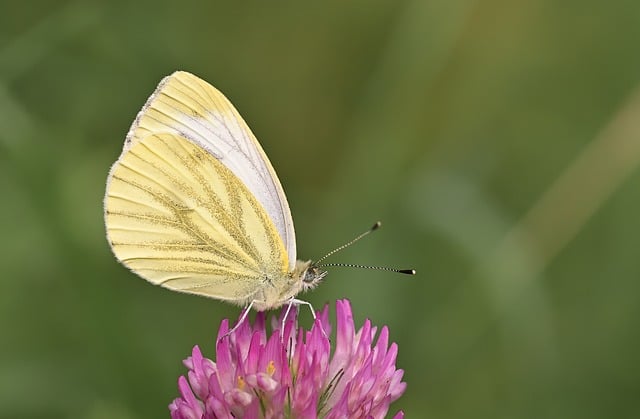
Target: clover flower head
[{"x": 292, "y": 373}]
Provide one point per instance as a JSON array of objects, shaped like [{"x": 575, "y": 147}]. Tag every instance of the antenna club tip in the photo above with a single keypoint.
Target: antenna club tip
[
  {"x": 407, "y": 271},
  {"x": 377, "y": 225}
]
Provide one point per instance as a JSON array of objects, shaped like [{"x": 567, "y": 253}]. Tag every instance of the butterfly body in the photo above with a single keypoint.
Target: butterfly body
[{"x": 194, "y": 205}]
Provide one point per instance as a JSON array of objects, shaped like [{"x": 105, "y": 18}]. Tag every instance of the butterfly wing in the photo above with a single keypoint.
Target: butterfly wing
[
  {"x": 180, "y": 218},
  {"x": 186, "y": 105}
]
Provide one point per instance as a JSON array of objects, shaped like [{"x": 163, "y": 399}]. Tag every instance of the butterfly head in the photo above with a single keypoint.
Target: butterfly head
[{"x": 309, "y": 274}]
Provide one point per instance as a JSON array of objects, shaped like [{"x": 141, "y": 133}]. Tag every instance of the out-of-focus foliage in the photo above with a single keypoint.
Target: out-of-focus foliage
[{"x": 498, "y": 141}]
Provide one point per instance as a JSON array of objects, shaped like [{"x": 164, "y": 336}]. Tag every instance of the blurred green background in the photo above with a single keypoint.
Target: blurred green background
[{"x": 498, "y": 141}]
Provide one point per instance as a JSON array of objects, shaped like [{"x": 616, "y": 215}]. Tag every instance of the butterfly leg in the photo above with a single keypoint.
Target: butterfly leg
[
  {"x": 298, "y": 303},
  {"x": 286, "y": 314},
  {"x": 243, "y": 317}
]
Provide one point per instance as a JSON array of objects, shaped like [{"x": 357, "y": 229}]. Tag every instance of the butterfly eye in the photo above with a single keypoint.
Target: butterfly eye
[{"x": 313, "y": 275}]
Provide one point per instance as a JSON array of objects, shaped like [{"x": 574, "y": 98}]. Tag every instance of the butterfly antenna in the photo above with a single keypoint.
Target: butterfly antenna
[
  {"x": 371, "y": 230},
  {"x": 351, "y": 265},
  {"x": 377, "y": 268}
]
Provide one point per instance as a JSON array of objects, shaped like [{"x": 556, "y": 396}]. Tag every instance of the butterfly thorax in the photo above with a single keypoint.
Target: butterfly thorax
[{"x": 304, "y": 276}]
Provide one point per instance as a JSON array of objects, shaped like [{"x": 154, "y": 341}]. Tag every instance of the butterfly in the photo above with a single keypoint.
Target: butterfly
[{"x": 193, "y": 204}]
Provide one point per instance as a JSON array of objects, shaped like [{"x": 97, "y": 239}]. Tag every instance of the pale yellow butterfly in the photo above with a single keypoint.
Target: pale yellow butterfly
[{"x": 194, "y": 205}]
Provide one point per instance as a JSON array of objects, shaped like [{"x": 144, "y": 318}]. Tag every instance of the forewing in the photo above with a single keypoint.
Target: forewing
[
  {"x": 179, "y": 218},
  {"x": 186, "y": 105}
]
